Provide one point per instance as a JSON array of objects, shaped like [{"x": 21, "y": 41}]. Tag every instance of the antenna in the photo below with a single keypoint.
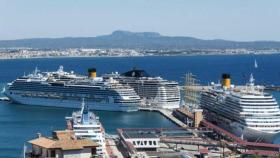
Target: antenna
[
  {"x": 252, "y": 80},
  {"x": 36, "y": 70},
  {"x": 60, "y": 69},
  {"x": 83, "y": 104}
]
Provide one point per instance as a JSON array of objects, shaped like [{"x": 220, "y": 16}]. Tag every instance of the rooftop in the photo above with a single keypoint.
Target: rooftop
[
  {"x": 64, "y": 140},
  {"x": 138, "y": 134}
]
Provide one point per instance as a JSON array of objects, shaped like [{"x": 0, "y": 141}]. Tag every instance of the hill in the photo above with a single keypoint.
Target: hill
[{"x": 136, "y": 40}]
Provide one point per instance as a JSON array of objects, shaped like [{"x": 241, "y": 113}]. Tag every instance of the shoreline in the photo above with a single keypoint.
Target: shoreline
[{"x": 139, "y": 56}]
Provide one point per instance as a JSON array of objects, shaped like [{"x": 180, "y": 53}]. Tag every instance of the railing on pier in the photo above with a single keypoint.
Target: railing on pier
[{"x": 236, "y": 140}]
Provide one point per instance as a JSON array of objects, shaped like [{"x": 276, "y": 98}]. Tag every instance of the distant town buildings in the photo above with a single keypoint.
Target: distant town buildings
[
  {"x": 33, "y": 53},
  {"x": 19, "y": 53}
]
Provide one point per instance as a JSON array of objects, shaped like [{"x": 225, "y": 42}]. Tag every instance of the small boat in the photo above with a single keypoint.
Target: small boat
[{"x": 256, "y": 64}]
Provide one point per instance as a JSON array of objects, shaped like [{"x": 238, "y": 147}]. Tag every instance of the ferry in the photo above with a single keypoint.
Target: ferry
[{"x": 86, "y": 125}]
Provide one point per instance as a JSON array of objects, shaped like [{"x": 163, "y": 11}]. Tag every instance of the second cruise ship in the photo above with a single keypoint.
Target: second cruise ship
[
  {"x": 66, "y": 89},
  {"x": 154, "y": 91},
  {"x": 248, "y": 112}
]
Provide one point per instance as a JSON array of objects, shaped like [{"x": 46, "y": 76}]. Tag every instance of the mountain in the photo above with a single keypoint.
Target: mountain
[{"x": 136, "y": 40}]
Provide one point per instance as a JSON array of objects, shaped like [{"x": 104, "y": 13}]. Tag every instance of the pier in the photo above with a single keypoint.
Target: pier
[
  {"x": 167, "y": 113},
  {"x": 246, "y": 147},
  {"x": 231, "y": 141}
]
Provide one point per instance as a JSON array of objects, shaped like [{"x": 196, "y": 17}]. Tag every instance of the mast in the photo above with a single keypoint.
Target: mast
[
  {"x": 251, "y": 83},
  {"x": 60, "y": 69},
  {"x": 24, "y": 150},
  {"x": 84, "y": 112},
  {"x": 252, "y": 80},
  {"x": 191, "y": 91},
  {"x": 3, "y": 90},
  {"x": 35, "y": 71}
]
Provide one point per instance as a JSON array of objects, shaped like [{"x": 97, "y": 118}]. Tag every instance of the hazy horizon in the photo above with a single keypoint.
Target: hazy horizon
[
  {"x": 134, "y": 32},
  {"x": 250, "y": 20}
]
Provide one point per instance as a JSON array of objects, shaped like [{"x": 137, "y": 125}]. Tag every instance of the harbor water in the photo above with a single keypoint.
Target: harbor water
[{"x": 20, "y": 123}]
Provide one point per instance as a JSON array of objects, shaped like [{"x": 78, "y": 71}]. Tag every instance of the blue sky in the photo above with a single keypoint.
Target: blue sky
[{"x": 243, "y": 20}]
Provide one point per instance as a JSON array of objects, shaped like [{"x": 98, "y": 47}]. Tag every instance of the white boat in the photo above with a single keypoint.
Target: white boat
[
  {"x": 247, "y": 112},
  {"x": 86, "y": 125},
  {"x": 255, "y": 64},
  {"x": 64, "y": 89}
]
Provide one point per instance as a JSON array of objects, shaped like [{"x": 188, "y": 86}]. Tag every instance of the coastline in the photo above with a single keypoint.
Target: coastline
[{"x": 135, "y": 56}]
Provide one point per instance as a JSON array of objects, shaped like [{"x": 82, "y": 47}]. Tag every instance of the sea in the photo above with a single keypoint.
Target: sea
[{"x": 20, "y": 123}]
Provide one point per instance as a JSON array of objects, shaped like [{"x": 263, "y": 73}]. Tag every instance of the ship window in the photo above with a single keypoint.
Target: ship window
[
  {"x": 134, "y": 143},
  {"x": 154, "y": 142},
  {"x": 145, "y": 142},
  {"x": 150, "y": 143}
]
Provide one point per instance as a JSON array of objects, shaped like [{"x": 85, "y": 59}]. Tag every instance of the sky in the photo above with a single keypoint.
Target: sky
[{"x": 239, "y": 20}]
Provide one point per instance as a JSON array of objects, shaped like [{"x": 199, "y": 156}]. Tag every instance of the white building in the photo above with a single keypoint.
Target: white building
[{"x": 141, "y": 141}]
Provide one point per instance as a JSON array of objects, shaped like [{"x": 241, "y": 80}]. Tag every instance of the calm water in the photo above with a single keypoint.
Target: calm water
[{"x": 20, "y": 123}]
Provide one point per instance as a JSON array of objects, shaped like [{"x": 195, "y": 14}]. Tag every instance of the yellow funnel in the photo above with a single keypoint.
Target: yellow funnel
[
  {"x": 92, "y": 73},
  {"x": 226, "y": 80}
]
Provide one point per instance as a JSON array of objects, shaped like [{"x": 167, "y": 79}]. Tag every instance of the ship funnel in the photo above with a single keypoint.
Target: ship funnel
[
  {"x": 92, "y": 73},
  {"x": 226, "y": 80}
]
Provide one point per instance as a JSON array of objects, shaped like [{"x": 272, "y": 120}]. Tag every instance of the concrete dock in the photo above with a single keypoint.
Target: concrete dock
[
  {"x": 167, "y": 113},
  {"x": 264, "y": 149},
  {"x": 112, "y": 150},
  {"x": 232, "y": 140}
]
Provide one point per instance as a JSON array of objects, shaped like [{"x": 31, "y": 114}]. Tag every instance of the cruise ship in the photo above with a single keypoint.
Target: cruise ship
[
  {"x": 154, "y": 91},
  {"x": 66, "y": 89},
  {"x": 86, "y": 125},
  {"x": 247, "y": 111}
]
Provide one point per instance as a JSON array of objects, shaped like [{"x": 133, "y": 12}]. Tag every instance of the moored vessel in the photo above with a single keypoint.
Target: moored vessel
[
  {"x": 66, "y": 89},
  {"x": 247, "y": 111},
  {"x": 154, "y": 91},
  {"x": 86, "y": 125}
]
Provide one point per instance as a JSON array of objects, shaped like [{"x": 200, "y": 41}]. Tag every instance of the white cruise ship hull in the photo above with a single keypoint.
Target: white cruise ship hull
[
  {"x": 249, "y": 134},
  {"x": 252, "y": 134},
  {"x": 67, "y": 103}
]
